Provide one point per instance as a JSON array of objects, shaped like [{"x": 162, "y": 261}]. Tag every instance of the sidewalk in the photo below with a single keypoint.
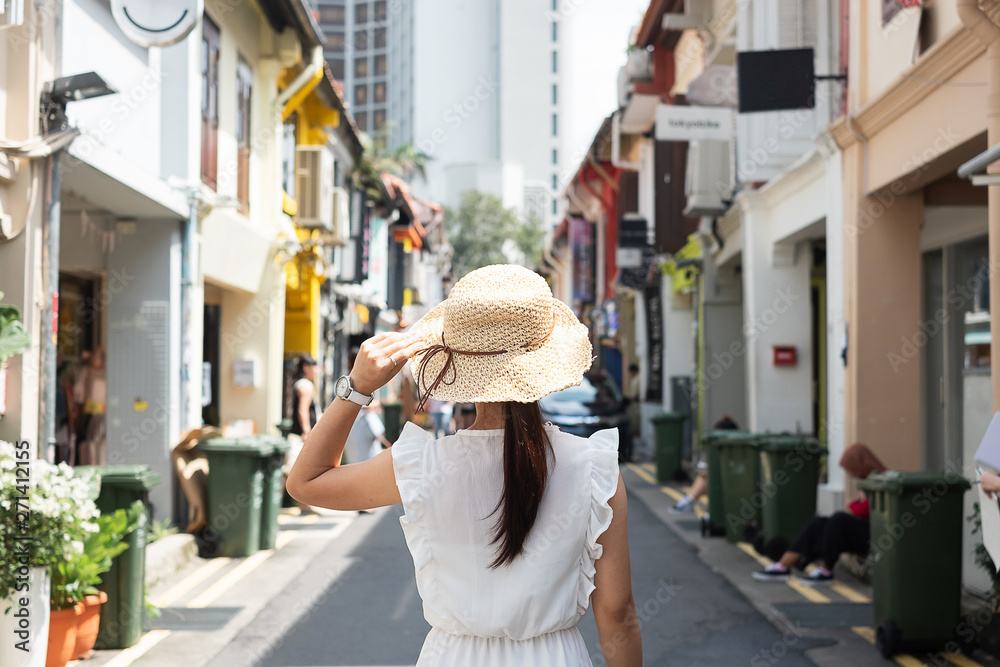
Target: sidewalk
[
  {"x": 839, "y": 614},
  {"x": 209, "y": 602}
]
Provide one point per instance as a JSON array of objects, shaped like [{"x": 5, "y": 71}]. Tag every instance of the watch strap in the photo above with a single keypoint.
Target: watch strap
[{"x": 363, "y": 400}]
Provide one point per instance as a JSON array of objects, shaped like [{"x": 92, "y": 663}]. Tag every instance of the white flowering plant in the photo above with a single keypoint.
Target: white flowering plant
[{"x": 48, "y": 512}]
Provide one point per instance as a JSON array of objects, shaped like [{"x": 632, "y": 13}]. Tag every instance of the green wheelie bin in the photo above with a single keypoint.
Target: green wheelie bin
[
  {"x": 713, "y": 524},
  {"x": 274, "y": 490},
  {"x": 916, "y": 551},
  {"x": 393, "y": 415},
  {"x": 125, "y": 583},
  {"x": 669, "y": 428},
  {"x": 789, "y": 468},
  {"x": 739, "y": 465},
  {"x": 236, "y": 472}
]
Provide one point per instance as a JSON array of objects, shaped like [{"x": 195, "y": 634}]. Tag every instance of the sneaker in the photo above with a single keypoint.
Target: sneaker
[
  {"x": 683, "y": 506},
  {"x": 773, "y": 572},
  {"x": 818, "y": 575}
]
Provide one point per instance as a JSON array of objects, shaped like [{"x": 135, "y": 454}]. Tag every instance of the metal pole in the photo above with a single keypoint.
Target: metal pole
[
  {"x": 187, "y": 294},
  {"x": 50, "y": 316}
]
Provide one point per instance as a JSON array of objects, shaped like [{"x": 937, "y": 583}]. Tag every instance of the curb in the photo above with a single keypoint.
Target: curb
[{"x": 167, "y": 555}]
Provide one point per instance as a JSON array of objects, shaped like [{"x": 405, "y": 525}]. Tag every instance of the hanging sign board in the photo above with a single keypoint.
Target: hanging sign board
[
  {"x": 156, "y": 22},
  {"x": 675, "y": 123}
]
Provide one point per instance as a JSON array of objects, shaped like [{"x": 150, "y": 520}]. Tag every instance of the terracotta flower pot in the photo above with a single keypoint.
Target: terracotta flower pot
[
  {"x": 88, "y": 623},
  {"x": 62, "y": 635}
]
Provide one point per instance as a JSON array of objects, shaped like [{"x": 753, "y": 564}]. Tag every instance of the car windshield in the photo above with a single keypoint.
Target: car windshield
[{"x": 593, "y": 389}]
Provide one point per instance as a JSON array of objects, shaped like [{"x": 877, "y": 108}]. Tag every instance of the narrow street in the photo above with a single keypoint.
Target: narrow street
[{"x": 356, "y": 604}]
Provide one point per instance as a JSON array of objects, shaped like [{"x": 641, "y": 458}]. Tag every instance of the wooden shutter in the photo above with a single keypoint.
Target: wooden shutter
[
  {"x": 210, "y": 42},
  {"x": 244, "y": 92}
]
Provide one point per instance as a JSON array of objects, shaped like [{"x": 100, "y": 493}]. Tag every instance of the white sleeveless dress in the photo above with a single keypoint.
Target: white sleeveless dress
[{"x": 524, "y": 614}]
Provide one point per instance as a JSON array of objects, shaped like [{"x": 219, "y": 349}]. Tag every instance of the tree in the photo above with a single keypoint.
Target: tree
[
  {"x": 482, "y": 232},
  {"x": 404, "y": 161}
]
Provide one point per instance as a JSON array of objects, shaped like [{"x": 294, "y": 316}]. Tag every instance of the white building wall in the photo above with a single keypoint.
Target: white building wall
[
  {"x": 831, "y": 494},
  {"x": 776, "y": 303},
  {"x": 769, "y": 142},
  {"x": 128, "y": 122}
]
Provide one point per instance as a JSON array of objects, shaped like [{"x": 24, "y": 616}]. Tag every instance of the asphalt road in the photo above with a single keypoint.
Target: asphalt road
[{"x": 367, "y": 611}]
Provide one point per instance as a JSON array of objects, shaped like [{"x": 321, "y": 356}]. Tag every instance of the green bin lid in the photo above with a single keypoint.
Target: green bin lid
[
  {"x": 669, "y": 417},
  {"x": 250, "y": 445},
  {"x": 711, "y": 437},
  {"x": 895, "y": 481},
  {"x": 138, "y": 476},
  {"x": 791, "y": 443},
  {"x": 735, "y": 439}
]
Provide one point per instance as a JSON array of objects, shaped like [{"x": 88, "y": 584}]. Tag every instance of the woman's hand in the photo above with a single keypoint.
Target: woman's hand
[
  {"x": 381, "y": 357},
  {"x": 990, "y": 482}
]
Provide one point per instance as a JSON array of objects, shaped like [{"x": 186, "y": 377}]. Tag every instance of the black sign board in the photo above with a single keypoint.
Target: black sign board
[
  {"x": 776, "y": 80},
  {"x": 633, "y": 233},
  {"x": 654, "y": 338}
]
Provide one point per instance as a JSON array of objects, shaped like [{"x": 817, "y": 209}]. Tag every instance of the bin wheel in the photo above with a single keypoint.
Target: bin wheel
[
  {"x": 706, "y": 527},
  {"x": 887, "y": 639},
  {"x": 967, "y": 643}
]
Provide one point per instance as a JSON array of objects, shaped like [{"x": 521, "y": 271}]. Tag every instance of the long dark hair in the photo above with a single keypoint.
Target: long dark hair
[{"x": 526, "y": 449}]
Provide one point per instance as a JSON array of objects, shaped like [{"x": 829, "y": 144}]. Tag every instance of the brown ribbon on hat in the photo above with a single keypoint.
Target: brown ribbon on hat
[{"x": 449, "y": 362}]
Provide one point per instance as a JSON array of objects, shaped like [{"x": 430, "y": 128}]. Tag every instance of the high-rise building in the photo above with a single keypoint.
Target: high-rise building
[
  {"x": 489, "y": 99},
  {"x": 369, "y": 47}
]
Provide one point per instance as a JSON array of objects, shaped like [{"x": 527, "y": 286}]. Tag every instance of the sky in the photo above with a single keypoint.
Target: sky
[{"x": 599, "y": 32}]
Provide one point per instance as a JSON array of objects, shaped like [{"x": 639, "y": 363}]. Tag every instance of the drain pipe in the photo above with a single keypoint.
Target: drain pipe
[
  {"x": 294, "y": 93},
  {"x": 986, "y": 31}
]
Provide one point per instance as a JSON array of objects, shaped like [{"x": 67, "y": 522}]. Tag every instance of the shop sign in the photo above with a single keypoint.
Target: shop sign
[
  {"x": 156, "y": 22},
  {"x": 654, "y": 339},
  {"x": 675, "y": 123}
]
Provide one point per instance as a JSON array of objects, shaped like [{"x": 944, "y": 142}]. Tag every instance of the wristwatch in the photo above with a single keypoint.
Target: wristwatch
[{"x": 345, "y": 390}]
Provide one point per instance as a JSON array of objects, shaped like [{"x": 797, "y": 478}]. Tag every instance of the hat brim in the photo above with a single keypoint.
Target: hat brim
[{"x": 520, "y": 376}]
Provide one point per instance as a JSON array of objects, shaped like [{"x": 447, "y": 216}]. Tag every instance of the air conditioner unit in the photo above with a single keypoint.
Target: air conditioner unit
[
  {"x": 314, "y": 187},
  {"x": 638, "y": 68},
  {"x": 707, "y": 181},
  {"x": 11, "y": 13},
  {"x": 341, "y": 214}
]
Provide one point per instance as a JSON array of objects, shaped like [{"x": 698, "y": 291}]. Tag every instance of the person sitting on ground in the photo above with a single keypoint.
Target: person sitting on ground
[
  {"x": 824, "y": 539},
  {"x": 700, "y": 486}
]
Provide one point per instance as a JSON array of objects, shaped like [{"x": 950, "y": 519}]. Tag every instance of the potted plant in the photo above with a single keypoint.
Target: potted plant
[
  {"x": 53, "y": 510},
  {"x": 76, "y": 579}
]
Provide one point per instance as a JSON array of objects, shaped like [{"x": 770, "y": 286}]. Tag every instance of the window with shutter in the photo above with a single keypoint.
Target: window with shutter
[
  {"x": 244, "y": 90},
  {"x": 796, "y": 23},
  {"x": 210, "y": 42}
]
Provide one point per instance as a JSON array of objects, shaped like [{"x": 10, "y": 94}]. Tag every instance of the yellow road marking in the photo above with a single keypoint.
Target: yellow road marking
[
  {"x": 908, "y": 661},
  {"x": 650, "y": 466},
  {"x": 961, "y": 660},
  {"x": 903, "y": 659},
  {"x": 849, "y": 593},
  {"x": 673, "y": 493},
  {"x": 137, "y": 650},
  {"x": 188, "y": 583},
  {"x": 806, "y": 591},
  {"x": 748, "y": 549},
  {"x": 865, "y": 633},
  {"x": 641, "y": 472}
]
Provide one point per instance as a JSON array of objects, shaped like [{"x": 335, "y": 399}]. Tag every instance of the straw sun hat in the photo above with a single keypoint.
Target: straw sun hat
[{"x": 500, "y": 336}]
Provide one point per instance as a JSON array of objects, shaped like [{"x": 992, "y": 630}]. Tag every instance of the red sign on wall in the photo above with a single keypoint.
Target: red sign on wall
[{"x": 784, "y": 355}]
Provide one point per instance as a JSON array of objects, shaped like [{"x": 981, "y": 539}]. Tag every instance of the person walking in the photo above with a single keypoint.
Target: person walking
[{"x": 515, "y": 527}]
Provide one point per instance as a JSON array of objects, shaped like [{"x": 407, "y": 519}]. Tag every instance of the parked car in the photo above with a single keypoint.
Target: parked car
[{"x": 594, "y": 404}]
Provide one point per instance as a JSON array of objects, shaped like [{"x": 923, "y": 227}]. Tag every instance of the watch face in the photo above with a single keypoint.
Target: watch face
[{"x": 343, "y": 387}]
